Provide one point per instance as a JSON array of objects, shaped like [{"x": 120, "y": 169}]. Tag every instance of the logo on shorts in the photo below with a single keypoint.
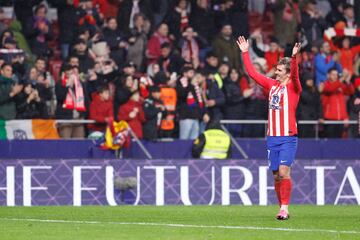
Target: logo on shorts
[{"x": 283, "y": 161}]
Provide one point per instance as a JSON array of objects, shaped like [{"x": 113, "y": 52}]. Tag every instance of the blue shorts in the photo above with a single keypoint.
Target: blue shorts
[{"x": 281, "y": 151}]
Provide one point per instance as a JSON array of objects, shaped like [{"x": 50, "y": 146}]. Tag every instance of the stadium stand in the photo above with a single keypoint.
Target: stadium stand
[{"x": 117, "y": 49}]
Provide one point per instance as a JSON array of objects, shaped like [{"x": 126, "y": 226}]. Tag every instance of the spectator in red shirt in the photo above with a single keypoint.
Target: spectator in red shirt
[
  {"x": 133, "y": 113},
  {"x": 101, "y": 109},
  {"x": 347, "y": 54},
  {"x": 161, "y": 36},
  {"x": 272, "y": 56},
  {"x": 333, "y": 99}
]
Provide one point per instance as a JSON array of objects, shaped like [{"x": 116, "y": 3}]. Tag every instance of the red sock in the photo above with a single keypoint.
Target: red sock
[
  {"x": 277, "y": 190},
  {"x": 285, "y": 191}
]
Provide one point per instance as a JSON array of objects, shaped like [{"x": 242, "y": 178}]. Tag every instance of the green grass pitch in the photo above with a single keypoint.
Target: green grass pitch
[{"x": 178, "y": 222}]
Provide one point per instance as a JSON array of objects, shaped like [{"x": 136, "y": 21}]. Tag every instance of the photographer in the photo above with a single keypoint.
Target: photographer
[
  {"x": 45, "y": 84},
  {"x": 29, "y": 104},
  {"x": 38, "y": 81},
  {"x": 47, "y": 79},
  {"x": 104, "y": 73}
]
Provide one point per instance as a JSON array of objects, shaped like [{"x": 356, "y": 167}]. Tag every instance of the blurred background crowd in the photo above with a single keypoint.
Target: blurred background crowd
[{"x": 168, "y": 67}]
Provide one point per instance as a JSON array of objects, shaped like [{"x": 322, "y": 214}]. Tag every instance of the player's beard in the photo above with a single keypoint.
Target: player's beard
[
  {"x": 278, "y": 78},
  {"x": 282, "y": 80}
]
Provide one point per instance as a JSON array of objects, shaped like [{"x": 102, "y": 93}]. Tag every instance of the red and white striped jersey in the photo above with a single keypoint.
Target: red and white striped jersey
[{"x": 283, "y": 99}]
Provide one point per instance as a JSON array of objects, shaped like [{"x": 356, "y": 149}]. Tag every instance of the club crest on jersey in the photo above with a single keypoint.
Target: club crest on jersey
[{"x": 275, "y": 102}]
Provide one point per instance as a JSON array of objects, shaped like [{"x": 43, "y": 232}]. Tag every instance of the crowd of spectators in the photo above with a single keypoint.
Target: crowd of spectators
[{"x": 168, "y": 67}]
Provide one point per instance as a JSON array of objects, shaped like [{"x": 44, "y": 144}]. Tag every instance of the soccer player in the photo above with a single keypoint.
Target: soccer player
[{"x": 284, "y": 93}]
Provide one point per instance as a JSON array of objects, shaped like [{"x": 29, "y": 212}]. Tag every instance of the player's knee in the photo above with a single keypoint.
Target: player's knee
[
  {"x": 284, "y": 172},
  {"x": 284, "y": 176}
]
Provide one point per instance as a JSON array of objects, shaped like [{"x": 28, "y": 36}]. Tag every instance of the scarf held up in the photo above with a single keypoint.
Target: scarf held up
[{"x": 74, "y": 100}]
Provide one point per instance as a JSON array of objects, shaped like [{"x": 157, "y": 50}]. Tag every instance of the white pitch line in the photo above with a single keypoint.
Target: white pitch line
[{"x": 176, "y": 225}]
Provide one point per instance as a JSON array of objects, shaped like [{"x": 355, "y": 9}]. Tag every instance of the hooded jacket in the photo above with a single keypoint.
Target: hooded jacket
[
  {"x": 333, "y": 99},
  {"x": 234, "y": 107},
  {"x": 136, "y": 122},
  {"x": 99, "y": 110},
  {"x": 7, "y": 104}
]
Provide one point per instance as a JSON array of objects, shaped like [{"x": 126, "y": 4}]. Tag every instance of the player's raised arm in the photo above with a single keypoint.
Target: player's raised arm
[
  {"x": 294, "y": 68},
  {"x": 262, "y": 80}
]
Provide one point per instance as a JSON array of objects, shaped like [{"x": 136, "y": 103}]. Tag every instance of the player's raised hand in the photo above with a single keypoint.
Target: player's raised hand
[
  {"x": 296, "y": 48},
  {"x": 243, "y": 44}
]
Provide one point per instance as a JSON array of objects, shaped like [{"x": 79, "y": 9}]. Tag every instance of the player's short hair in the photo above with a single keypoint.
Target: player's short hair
[{"x": 286, "y": 62}]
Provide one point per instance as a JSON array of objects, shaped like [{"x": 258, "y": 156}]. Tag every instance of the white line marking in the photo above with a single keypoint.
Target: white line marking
[{"x": 176, "y": 225}]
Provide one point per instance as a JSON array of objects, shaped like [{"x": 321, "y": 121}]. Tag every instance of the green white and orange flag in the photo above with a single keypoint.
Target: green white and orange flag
[{"x": 28, "y": 129}]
